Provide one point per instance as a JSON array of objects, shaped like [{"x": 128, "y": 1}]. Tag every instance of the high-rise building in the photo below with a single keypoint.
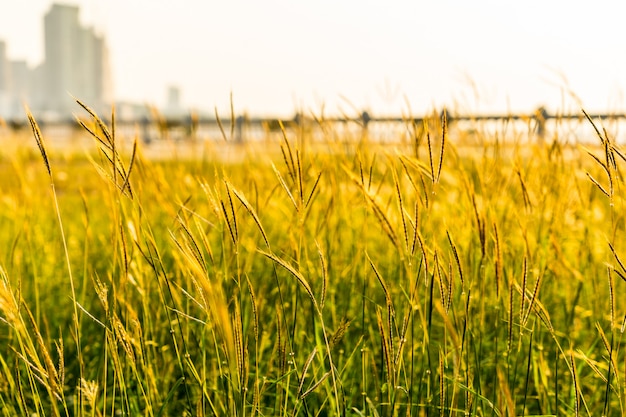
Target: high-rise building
[
  {"x": 76, "y": 63},
  {"x": 173, "y": 106},
  {"x": 61, "y": 31},
  {"x": 75, "y": 66},
  {"x": 5, "y": 67}
]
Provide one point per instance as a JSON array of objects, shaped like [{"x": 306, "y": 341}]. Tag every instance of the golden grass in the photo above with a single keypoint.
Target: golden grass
[{"x": 339, "y": 278}]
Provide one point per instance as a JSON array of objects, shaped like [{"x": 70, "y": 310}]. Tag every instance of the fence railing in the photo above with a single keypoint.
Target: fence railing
[{"x": 160, "y": 126}]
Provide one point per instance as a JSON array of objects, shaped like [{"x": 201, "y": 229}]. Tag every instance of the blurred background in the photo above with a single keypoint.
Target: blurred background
[{"x": 279, "y": 57}]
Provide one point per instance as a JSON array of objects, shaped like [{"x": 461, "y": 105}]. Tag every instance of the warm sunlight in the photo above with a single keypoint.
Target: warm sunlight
[{"x": 278, "y": 55}]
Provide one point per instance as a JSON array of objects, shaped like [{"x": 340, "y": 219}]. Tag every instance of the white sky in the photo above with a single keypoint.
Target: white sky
[{"x": 279, "y": 55}]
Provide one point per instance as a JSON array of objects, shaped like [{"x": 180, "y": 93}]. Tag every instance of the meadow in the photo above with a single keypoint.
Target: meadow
[{"x": 438, "y": 276}]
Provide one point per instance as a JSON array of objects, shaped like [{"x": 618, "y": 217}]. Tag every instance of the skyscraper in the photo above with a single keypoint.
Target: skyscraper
[
  {"x": 75, "y": 64},
  {"x": 4, "y": 80}
]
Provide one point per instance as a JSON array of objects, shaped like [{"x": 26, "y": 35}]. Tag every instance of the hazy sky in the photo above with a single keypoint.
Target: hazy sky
[{"x": 278, "y": 55}]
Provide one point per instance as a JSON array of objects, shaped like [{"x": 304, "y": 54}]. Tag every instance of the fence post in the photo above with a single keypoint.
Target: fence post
[
  {"x": 239, "y": 122},
  {"x": 541, "y": 116},
  {"x": 145, "y": 129},
  {"x": 365, "y": 120},
  {"x": 193, "y": 122}
]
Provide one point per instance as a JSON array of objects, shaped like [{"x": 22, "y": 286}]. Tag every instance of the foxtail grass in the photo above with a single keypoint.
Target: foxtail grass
[{"x": 428, "y": 276}]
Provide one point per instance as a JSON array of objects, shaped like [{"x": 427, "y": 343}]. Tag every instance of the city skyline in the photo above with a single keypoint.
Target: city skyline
[
  {"x": 279, "y": 57},
  {"x": 75, "y": 64}
]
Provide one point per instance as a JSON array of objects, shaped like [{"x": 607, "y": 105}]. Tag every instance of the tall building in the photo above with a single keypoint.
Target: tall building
[
  {"x": 173, "y": 106},
  {"x": 5, "y": 67},
  {"x": 76, "y": 63}
]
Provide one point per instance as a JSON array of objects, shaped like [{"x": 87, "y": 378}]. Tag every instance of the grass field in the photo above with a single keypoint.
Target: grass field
[{"x": 426, "y": 279}]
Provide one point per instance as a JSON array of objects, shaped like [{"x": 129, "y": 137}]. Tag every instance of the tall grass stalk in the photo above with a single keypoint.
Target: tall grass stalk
[
  {"x": 448, "y": 272},
  {"x": 75, "y": 317}
]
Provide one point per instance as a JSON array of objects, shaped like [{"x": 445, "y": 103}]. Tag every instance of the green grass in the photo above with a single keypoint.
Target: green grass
[{"x": 430, "y": 278}]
